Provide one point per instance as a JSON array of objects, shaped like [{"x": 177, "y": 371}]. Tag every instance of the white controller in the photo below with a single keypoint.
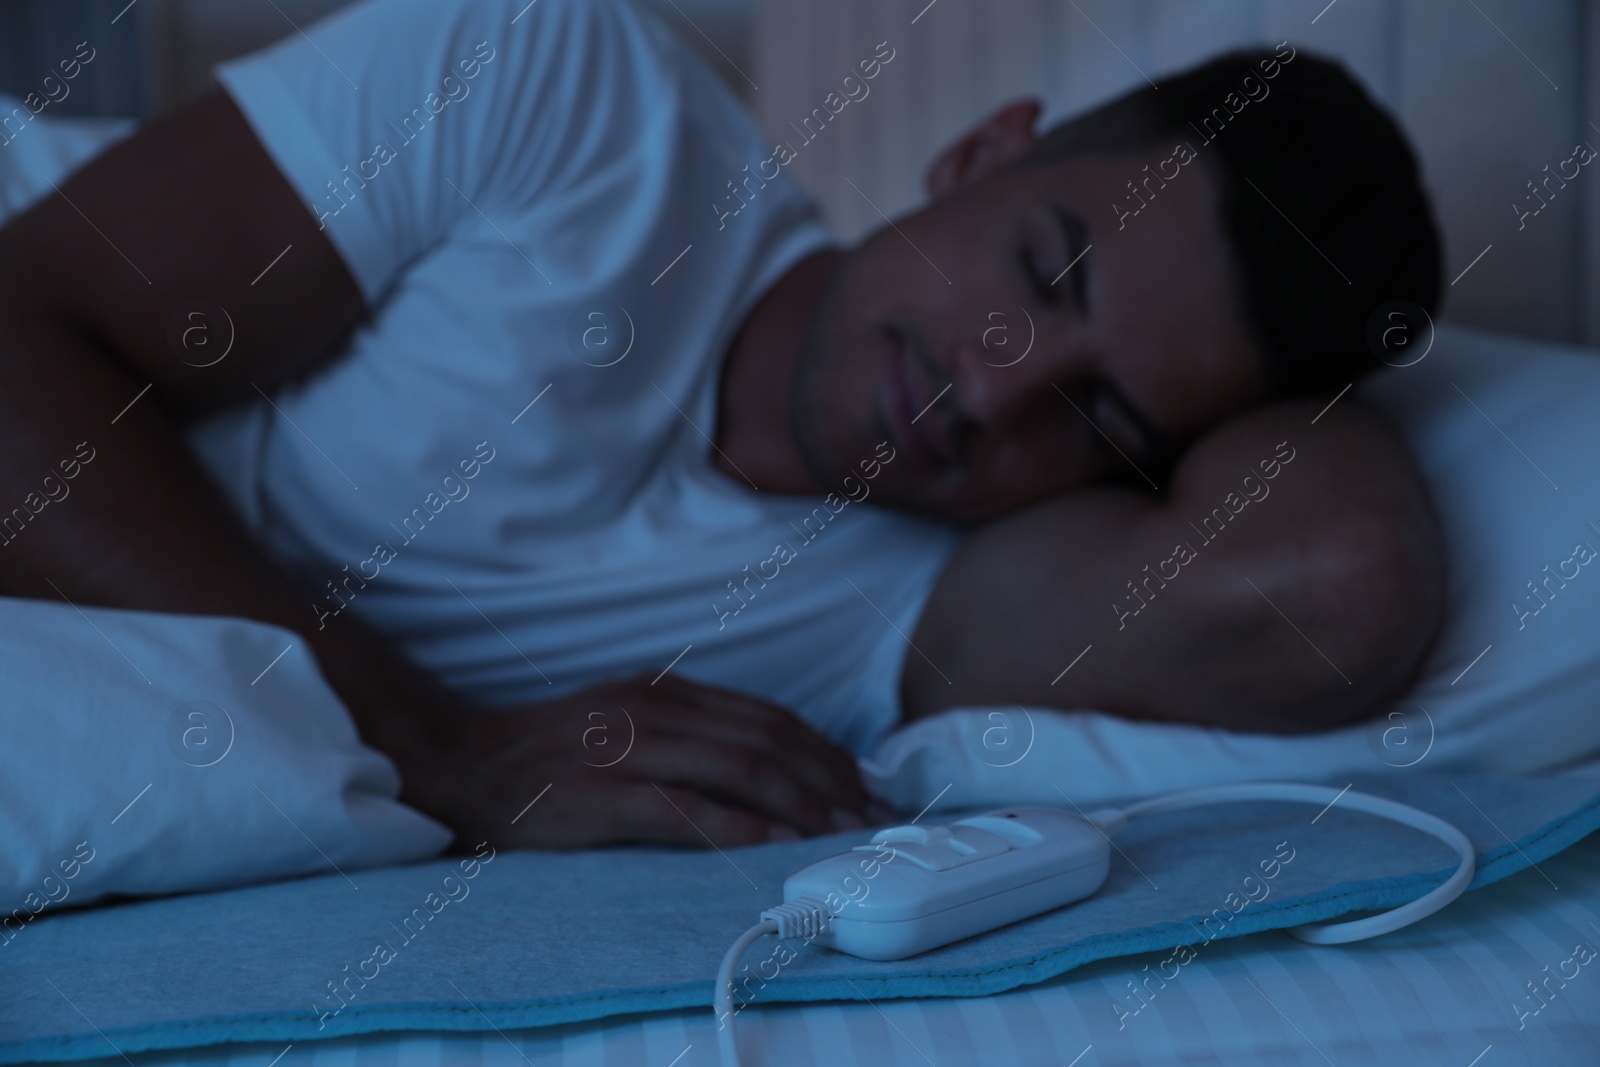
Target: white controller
[{"x": 918, "y": 887}]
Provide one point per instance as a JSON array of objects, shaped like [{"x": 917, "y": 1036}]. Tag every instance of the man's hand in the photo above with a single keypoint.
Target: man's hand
[
  {"x": 673, "y": 762},
  {"x": 1288, "y": 602}
]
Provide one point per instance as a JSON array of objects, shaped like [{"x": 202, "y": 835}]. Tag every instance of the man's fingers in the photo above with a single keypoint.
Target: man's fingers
[
  {"x": 833, "y": 776},
  {"x": 729, "y": 772},
  {"x": 580, "y": 813},
  {"x": 668, "y": 815},
  {"x": 723, "y": 715}
]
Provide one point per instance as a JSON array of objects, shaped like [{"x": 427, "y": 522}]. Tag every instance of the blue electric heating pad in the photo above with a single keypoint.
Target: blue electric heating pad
[{"x": 538, "y": 938}]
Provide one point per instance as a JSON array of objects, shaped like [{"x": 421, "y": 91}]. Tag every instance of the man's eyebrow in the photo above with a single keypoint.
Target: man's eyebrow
[{"x": 1075, "y": 236}]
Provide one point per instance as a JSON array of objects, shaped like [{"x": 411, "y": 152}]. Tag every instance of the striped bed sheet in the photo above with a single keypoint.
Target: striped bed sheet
[{"x": 1500, "y": 977}]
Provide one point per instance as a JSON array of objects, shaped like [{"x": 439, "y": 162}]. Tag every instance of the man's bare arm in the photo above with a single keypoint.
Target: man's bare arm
[
  {"x": 92, "y": 279},
  {"x": 1287, "y": 604}
]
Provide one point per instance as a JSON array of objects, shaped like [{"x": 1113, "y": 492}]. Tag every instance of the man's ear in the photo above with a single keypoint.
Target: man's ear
[{"x": 1002, "y": 137}]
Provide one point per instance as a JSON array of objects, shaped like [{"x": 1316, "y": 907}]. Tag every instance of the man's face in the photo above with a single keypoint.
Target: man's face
[{"x": 920, "y": 337}]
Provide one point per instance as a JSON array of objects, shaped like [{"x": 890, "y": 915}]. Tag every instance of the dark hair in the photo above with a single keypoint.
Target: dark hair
[{"x": 1321, "y": 200}]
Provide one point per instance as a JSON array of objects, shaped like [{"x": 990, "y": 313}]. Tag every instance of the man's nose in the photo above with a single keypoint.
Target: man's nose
[{"x": 999, "y": 384}]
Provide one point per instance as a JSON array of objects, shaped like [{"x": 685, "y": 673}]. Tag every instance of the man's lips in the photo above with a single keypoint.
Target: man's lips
[{"x": 910, "y": 407}]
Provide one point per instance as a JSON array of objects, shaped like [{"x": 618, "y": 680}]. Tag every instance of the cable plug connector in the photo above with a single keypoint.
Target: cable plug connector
[{"x": 802, "y": 917}]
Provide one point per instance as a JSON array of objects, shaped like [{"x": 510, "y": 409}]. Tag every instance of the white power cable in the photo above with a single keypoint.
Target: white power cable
[
  {"x": 724, "y": 993},
  {"x": 802, "y": 917},
  {"x": 1326, "y": 933},
  {"x": 806, "y": 916}
]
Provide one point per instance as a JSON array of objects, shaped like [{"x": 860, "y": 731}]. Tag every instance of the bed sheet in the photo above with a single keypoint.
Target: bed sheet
[{"x": 1506, "y": 975}]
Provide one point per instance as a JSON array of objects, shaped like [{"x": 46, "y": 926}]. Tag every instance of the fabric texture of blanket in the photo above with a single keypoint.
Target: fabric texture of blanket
[{"x": 526, "y": 938}]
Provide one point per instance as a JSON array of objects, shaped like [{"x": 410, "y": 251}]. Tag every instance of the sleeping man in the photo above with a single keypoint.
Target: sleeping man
[{"x": 488, "y": 350}]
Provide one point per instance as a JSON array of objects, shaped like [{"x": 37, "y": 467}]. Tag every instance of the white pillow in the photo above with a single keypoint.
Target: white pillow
[
  {"x": 147, "y": 753},
  {"x": 1507, "y": 432}
]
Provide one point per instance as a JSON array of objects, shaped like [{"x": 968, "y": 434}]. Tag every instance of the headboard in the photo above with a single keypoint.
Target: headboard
[{"x": 1490, "y": 92}]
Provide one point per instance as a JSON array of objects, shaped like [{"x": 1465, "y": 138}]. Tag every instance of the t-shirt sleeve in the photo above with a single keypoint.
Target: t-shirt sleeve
[{"x": 395, "y": 119}]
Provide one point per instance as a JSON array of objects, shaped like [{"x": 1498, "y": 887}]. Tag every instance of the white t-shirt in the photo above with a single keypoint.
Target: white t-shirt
[{"x": 525, "y": 196}]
